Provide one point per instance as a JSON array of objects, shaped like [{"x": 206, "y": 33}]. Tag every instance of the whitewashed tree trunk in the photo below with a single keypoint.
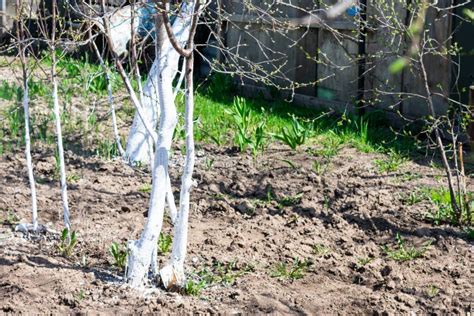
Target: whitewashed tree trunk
[
  {"x": 141, "y": 251},
  {"x": 139, "y": 143},
  {"x": 57, "y": 116},
  {"x": 26, "y": 110},
  {"x": 147, "y": 131},
  {"x": 173, "y": 273},
  {"x": 29, "y": 163},
  {"x": 59, "y": 135}
]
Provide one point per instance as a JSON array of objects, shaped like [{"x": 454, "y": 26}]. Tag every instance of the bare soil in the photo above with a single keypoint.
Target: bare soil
[{"x": 255, "y": 213}]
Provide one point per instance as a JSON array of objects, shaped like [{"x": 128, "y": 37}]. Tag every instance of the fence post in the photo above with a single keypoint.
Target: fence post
[{"x": 470, "y": 127}]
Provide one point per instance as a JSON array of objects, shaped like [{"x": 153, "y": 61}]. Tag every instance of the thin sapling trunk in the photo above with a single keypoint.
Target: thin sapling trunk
[
  {"x": 29, "y": 164},
  {"x": 57, "y": 116}
]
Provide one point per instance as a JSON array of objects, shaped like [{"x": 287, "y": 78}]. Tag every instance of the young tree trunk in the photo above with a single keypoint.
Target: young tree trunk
[
  {"x": 439, "y": 141},
  {"x": 29, "y": 163},
  {"x": 57, "y": 116},
  {"x": 26, "y": 109},
  {"x": 110, "y": 98},
  {"x": 173, "y": 273},
  {"x": 141, "y": 251}
]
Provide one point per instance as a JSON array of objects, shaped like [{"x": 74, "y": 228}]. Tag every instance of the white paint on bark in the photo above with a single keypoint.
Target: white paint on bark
[
  {"x": 173, "y": 273},
  {"x": 29, "y": 163},
  {"x": 59, "y": 135},
  {"x": 141, "y": 251}
]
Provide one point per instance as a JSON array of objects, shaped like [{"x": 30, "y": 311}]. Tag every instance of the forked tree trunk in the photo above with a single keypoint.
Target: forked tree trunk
[
  {"x": 141, "y": 118},
  {"x": 141, "y": 251}
]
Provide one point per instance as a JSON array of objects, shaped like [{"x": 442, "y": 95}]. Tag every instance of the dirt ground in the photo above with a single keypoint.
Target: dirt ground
[{"x": 252, "y": 213}]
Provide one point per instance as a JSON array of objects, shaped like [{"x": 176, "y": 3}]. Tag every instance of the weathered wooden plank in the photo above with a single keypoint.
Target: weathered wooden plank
[
  {"x": 337, "y": 66},
  {"x": 438, "y": 68},
  {"x": 383, "y": 46}
]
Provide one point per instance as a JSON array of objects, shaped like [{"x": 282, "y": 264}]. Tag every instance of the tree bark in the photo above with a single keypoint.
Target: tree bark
[
  {"x": 57, "y": 115},
  {"x": 141, "y": 251}
]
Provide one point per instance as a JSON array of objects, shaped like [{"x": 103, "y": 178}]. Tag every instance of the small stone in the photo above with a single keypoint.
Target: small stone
[
  {"x": 245, "y": 207},
  {"x": 390, "y": 285},
  {"x": 214, "y": 188},
  {"x": 406, "y": 299},
  {"x": 90, "y": 276},
  {"x": 307, "y": 188}
]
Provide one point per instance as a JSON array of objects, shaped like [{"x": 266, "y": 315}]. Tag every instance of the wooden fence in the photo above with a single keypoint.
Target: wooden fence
[{"x": 348, "y": 78}]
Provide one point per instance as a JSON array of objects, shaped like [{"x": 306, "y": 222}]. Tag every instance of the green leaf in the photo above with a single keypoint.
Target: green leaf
[
  {"x": 398, "y": 65},
  {"x": 64, "y": 234},
  {"x": 469, "y": 13}
]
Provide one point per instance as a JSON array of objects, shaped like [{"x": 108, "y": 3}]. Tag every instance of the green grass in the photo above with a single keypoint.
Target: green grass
[
  {"x": 194, "y": 288},
  {"x": 291, "y": 271},
  {"x": 9, "y": 91},
  {"x": 402, "y": 252},
  {"x": 392, "y": 162},
  {"x": 219, "y": 273},
  {"x": 221, "y": 121},
  {"x": 444, "y": 212},
  {"x": 67, "y": 243},
  {"x": 320, "y": 250},
  {"x": 165, "y": 241},
  {"x": 119, "y": 254}
]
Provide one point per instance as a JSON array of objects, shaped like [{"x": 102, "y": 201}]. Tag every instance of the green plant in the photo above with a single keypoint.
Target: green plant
[
  {"x": 242, "y": 117},
  {"x": 11, "y": 219},
  {"x": 331, "y": 144},
  {"x": 293, "y": 271},
  {"x": 290, "y": 163},
  {"x": 320, "y": 167},
  {"x": 432, "y": 291},
  {"x": 391, "y": 163},
  {"x": 223, "y": 273},
  {"x": 291, "y": 200},
  {"x": 363, "y": 261},
  {"x": 80, "y": 295},
  {"x": 119, "y": 253},
  {"x": 258, "y": 142},
  {"x": 444, "y": 212},
  {"x": 38, "y": 89},
  {"x": 295, "y": 135},
  {"x": 145, "y": 188},
  {"x": 164, "y": 243},
  {"x": 362, "y": 141},
  {"x": 107, "y": 150},
  {"x": 414, "y": 197},
  {"x": 72, "y": 178},
  {"x": 405, "y": 253},
  {"x": 209, "y": 162},
  {"x": 92, "y": 121},
  {"x": 15, "y": 118},
  {"x": 68, "y": 241},
  {"x": 9, "y": 92},
  {"x": 194, "y": 288},
  {"x": 320, "y": 250}
]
